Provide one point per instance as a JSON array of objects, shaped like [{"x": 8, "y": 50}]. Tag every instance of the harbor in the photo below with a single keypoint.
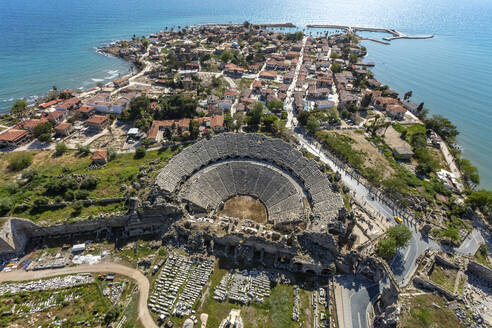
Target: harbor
[{"x": 353, "y": 30}]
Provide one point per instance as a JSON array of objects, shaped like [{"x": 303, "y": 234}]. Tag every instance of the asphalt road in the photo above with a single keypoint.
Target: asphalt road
[
  {"x": 357, "y": 296},
  {"x": 404, "y": 263},
  {"x": 143, "y": 283}
]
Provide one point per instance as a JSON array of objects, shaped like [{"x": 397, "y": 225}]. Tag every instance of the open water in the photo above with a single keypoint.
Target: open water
[{"x": 52, "y": 42}]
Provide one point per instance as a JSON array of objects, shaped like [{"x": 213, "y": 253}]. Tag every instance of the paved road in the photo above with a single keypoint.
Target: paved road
[
  {"x": 452, "y": 164},
  {"x": 405, "y": 262},
  {"x": 289, "y": 102},
  {"x": 357, "y": 296},
  {"x": 471, "y": 243},
  {"x": 142, "y": 282}
]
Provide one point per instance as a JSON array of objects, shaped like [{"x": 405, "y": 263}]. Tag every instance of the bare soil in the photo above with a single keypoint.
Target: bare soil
[
  {"x": 245, "y": 207},
  {"x": 374, "y": 159}
]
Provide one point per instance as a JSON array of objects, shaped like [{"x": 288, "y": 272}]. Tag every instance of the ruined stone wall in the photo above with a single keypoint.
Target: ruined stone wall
[
  {"x": 481, "y": 271},
  {"x": 429, "y": 285}
]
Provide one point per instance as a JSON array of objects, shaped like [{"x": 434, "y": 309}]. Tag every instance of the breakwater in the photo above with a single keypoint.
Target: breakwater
[{"x": 353, "y": 29}]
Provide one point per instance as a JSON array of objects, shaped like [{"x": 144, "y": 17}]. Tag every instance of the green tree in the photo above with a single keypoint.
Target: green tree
[
  {"x": 401, "y": 234},
  {"x": 140, "y": 152},
  {"x": 6, "y": 205},
  {"x": 470, "y": 172},
  {"x": 387, "y": 248},
  {"x": 312, "y": 124},
  {"x": 194, "y": 129},
  {"x": 336, "y": 68},
  {"x": 145, "y": 42},
  {"x": 275, "y": 106},
  {"x": 366, "y": 100},
  {"x": 256, "y": 113},
  {"x": 353, "y": 58},
  {"x": 85, "y": 150},
  {"x": 229, "y": 122},
  {"x": 42, "y": 130},
  {"x": 19, "y": 108},
  {"x": 442, "y": 126},
  {"x": 111, "y": 154},
  {"x": 407, "y": 95},
  {"x": 278, "y": 127}
]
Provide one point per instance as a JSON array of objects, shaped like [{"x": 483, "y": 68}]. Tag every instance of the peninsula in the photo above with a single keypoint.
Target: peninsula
[{"x": 241, "y": 175}]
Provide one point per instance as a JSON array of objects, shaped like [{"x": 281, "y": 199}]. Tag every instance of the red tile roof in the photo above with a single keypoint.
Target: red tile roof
[
  {"x": 13, "y": 135},
  {"x": 50, "y": 103},
  {"x": 100, "y": 154},
  {"x": 62, "y": 126},
  {"x": 85, "y": 109},
  {"x": 97, "y": 119},
  {"x": 32, "y": 123},
  {"x": 53, "y": 116}
]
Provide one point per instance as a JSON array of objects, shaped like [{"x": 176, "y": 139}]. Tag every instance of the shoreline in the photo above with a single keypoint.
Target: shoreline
[{"x": 103, "y": 49}]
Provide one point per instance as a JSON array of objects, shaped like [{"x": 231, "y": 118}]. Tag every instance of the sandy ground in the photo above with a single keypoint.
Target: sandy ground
[{"x": 245, "y": 207}]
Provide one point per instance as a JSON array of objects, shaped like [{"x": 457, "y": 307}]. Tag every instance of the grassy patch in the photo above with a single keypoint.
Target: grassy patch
[
  {"x": 444, "y": 277},
  {"x": 481, "y": 256},
  {"x": 422, "y": 313},
  {"x": 24, "y": 188},
  {"x": 243, "y": 83},
  {"x": 342, "y": 146}
]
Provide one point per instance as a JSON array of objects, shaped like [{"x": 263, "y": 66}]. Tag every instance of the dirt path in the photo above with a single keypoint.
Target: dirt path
[{"x": 142, "y": 282}]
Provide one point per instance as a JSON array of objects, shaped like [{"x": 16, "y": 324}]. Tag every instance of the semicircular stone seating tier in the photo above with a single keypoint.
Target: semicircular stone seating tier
[
  {"x": 324, "y": 202},
  {"x": 281, "y": 195}
]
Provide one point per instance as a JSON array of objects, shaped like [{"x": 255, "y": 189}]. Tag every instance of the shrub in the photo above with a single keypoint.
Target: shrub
[
  {"x": 140, "y": 152},
  {"x": 41, "y": 201},
  {"x": 85, "y": 150},
  {"x": 77, "y": 206},
  {"x": 111, "y": 154},
  {"x": 61, "y": 148},
  {"x": 45, "y": 137},
  {"x": 69, "y": 195},
  {"x": 89, "y": 183},
  {"x": 6, "y": 205},
  {"x": 13, "y": 188},
  {"x": 81, "y": 194},
  {"x": 19, "y": 161}
]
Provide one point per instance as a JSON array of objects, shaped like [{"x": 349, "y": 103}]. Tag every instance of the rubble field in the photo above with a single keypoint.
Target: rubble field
[{"x": 71, "y": 301}]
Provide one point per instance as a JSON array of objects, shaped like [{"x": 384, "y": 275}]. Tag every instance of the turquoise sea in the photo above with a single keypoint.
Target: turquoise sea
[{"x": 52, "y": 42}]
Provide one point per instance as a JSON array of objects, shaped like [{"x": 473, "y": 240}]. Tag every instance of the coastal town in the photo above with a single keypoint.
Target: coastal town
[{"x": 241, "y": 175}]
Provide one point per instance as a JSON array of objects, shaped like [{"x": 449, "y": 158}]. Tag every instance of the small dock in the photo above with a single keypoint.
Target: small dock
[{"x": 353, "y": 29}]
